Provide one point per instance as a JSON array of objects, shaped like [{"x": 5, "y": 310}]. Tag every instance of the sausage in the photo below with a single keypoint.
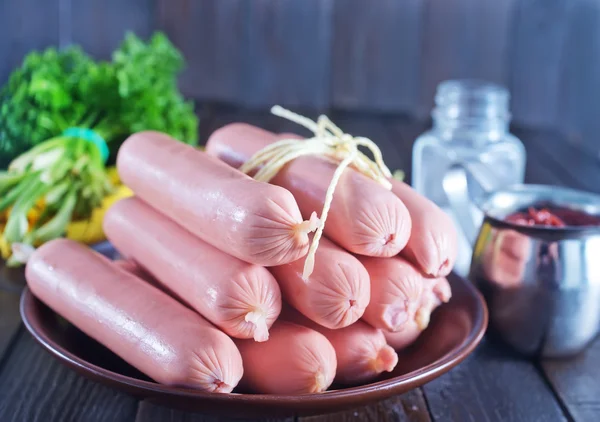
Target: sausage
[
  {"x": 365, "y": 218},
  {"x": 402, "y": 339},
  {"x": 336, "y": 293},
  {"x": 295, "y": 360},
  {"x": 253, "y": 221},
  {"x": 435, "y": 292},
  {"x": 361, "y": 350},
  {"x": 396, "y": 292},
  {"x": 433, "y": 244},
  {"x": 240, "y": 298},
  {"x": 151, "y": 331}
]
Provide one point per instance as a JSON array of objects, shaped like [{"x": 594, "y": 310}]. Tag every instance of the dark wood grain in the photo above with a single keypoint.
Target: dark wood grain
[
  {"x": 580, "y": 67},
  {"x": 490, "y": 50},
  {"x": 492, "y": 385},
  {"x": 562, "y": 160},
  {"x": 388, "y": 132},
  {"x": 576, "y": 382},
  {"x": 376, "y": 55},
  {"x": 9, "y": 320},
  {"x": 463, "y": 39},
  {"x": 34, "y": 387},
  {"x": 148, "y": 412},
  {"x": 368, "y": 56},
  {"x": 287, "y": 53},
  {"x": 254, "y": 54},
  {"x": 210, "y": 34},
  {"x": 219, "y": 116},
  {"x": 537, "y": 41},
  {"x": 449, "y": 34},
  {"x": 538, "y": 170},
  {"x": 100, "y": 25},
  {"x": 409, "y": 407},
  {"x": 25, "y": 25}
]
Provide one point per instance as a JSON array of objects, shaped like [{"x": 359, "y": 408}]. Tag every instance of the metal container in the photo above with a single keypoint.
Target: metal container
[{"x": 542, "y": 284}]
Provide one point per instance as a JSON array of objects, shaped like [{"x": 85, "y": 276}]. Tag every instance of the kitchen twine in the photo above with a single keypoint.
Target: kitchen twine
[{"x": 330, "y": 142}]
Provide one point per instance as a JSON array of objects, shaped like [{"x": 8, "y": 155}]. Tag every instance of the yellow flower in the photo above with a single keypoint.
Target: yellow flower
[
  {"x": 33, "y": 214},
  {"x": 5, "y": 248},
  {"x": 90, "y": 231},
  {"x": 113, "y": 176}
]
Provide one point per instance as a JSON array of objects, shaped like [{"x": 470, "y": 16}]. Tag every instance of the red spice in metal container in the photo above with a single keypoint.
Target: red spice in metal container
[{"x": 553, "y": 217}]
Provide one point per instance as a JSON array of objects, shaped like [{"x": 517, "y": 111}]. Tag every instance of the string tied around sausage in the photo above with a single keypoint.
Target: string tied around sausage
[{"x": 330, "y": 142}]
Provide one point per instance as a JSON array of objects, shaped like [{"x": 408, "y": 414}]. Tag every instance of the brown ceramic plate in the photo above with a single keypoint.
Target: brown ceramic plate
[{"x": 455, "y": 330}]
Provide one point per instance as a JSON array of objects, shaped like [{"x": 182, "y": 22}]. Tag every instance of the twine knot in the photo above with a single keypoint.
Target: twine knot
[{"x": 330, "y": 142}]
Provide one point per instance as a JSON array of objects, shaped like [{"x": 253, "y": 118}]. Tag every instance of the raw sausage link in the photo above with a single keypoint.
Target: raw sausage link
[
  {"x": 396, "y": 292},
  {"x": 402, "y": 339},
  {"x": 337, "y": 292},
  {"x": 435, "y": 292},
  {"x": 432, "y": 245},
  {"x": 133, "y": 319},
  {"x": 241, "y": 299},
  {"x": 253, "y": 221},
  {"x": 361, "y": 350},
  {"x": 295, "y": 360}
]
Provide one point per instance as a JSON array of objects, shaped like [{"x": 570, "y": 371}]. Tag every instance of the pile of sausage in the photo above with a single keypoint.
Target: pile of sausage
[{"x": 210, "y": 293}]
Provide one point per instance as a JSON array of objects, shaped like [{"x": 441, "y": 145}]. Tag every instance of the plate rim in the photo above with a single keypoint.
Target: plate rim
[{"x": 361, "y": 394}]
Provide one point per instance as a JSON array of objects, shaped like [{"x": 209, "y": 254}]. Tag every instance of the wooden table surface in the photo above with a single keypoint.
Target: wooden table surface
[{"x": 493, "y": 384}]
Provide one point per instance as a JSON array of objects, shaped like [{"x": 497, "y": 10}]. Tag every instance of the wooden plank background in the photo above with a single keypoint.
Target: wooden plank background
[{"x": 353, "y": 55}]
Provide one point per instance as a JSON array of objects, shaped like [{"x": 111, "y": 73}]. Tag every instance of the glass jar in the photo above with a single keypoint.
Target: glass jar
[{"x": 470, "y": 128}]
